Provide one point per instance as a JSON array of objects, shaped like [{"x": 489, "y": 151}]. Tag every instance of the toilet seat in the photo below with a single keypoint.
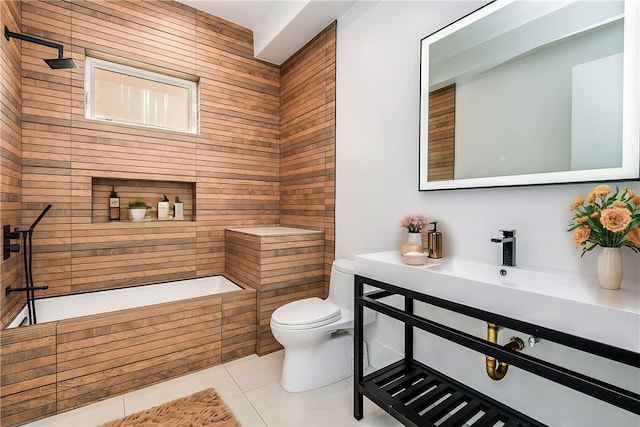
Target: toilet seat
[{"x": 308, "y": 313}]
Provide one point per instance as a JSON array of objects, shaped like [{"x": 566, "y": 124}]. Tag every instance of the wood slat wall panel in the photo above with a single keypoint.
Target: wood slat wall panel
[
  {"x": 27, "y": 386},
  {"x": 238, "y": 324},
  {"x": 236, "y": 154},
  {"x": 281, "y": 268},
  {"x": 442, "y": 116},
  {"x": 46, "y": 162},
  {"x": 307, "y": 165},
  {"x": 106, "y": 355},
  {"x": 57, "y": 366},
  {"x": 10, "y": 154}
]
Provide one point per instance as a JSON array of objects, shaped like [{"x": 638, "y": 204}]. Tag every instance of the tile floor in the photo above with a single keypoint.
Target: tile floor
[{"x": 251, "y": 388}]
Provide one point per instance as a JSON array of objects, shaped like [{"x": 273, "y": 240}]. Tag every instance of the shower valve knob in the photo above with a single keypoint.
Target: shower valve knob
[{"x": 14, "y": 247}]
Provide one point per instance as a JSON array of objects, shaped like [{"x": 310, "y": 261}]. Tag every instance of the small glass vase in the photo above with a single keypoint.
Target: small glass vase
[{"x": 610, "y": 268}]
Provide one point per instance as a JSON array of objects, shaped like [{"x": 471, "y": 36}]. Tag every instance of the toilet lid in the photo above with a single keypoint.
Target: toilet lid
[{"x": 306, "y": 314}]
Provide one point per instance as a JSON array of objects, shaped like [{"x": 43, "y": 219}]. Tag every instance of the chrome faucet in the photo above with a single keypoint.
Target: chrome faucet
[{"x": 508, "y": 241}]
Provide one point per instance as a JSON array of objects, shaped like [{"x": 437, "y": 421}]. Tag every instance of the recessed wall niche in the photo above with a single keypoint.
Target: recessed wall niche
[{"x": 151, "y": 192}]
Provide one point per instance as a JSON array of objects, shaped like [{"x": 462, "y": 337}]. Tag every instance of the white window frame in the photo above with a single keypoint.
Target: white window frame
[{"x": 89, "y": 89}]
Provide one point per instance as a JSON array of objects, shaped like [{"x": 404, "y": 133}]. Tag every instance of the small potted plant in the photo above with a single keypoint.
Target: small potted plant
[{"x": 137, "y": 210}]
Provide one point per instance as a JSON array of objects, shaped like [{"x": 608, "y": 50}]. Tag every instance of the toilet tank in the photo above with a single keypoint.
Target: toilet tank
[{"x": 341, "y": 287}]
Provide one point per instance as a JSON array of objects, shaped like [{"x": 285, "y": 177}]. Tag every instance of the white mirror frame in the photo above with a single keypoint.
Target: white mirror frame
[{"x": 630, "y": 169}]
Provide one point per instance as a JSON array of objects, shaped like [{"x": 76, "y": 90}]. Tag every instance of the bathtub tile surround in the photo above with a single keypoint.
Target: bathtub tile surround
[
  {"x": 61, "y": 365},
  {"x": 239, "y": 328},
  {"x": 282, "y": 264},
  {"x": 250, "y": 387},
  {"x": 264, "y": 153},
  {"x": 29, "y": 368},
  {"x": 11, "y": 145}
]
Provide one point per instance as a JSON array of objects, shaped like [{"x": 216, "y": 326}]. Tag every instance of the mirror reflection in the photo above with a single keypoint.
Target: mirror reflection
[{"x": 525, "y": 92}]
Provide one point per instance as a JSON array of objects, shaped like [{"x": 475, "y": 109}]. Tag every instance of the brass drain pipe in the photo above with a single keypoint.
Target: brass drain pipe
[{"x": 495, "y": 368}]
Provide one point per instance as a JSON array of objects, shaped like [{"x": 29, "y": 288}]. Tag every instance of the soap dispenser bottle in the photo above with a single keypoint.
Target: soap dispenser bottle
[
  {"x": 434, "y": 238},
  {"x": 114, "y": 205}
]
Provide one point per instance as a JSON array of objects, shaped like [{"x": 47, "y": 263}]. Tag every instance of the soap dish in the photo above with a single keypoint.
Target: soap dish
[{"x": 415, "y": 258}]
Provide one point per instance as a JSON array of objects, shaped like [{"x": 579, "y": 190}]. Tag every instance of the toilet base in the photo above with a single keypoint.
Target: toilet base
[{"x": 307, "y": 368}]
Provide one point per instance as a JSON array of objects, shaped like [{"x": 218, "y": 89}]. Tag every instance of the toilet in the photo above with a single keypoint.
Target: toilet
[{"x": 317, "y": 334}]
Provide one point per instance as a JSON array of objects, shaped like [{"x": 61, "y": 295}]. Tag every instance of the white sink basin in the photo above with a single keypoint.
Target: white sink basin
[
  {"x": 515, "y": 277},
  {"x": 566, "y": 302}
]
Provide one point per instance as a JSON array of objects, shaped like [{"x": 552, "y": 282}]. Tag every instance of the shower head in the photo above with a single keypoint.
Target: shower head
[
  {"x": 61, "y": 63},
  {"x": 57, "y": 63},
  {"x": 42, "y": 214}
]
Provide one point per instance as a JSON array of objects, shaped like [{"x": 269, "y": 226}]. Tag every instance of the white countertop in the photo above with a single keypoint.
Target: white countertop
[
  {"x": 272, "y": 231},
  {"x": 567, "y": 302}
]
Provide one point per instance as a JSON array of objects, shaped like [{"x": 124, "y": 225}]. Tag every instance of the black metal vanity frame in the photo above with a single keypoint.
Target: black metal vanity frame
[{"x": 394, "y": 387}]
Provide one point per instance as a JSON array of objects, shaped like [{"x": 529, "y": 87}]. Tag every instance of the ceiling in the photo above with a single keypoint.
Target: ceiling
[{"x": 280, "y": 28}]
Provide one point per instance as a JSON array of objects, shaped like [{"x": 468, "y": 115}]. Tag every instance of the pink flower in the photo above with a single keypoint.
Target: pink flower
[{"x": 414, "y": 223}]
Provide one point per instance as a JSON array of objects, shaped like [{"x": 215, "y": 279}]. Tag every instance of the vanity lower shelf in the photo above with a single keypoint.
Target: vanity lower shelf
[{"x": 418, "y": 395}]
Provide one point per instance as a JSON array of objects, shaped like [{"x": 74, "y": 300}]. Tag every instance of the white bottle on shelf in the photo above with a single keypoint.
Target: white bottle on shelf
[
  {"x": 178, "y": 209},
  {"x": 163, "y": 209}
]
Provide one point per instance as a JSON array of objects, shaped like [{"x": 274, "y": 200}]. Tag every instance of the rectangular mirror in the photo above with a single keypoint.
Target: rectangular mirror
[{"x": 532, "y": 92}]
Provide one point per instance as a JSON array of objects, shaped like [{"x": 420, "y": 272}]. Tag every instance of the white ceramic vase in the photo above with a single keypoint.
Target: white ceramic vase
[
  {"x": 415, "y": 238},
  {"x": 610, "y": 268}
]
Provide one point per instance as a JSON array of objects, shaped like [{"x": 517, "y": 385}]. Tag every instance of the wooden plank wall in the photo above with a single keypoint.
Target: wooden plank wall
[
  {"x": 307, "y": 171},
  {"x": 442, "y": 120},
  {"x": 57, "y": 366},
  {"x": 233, "y": 163},
  {"x": 28, "y": 382},
  {"x": 10, "y": 154},
  {"x": 110, "y": 354},
  {"x": 281, "y": 268},
  {"x": 238, "y": 324}
]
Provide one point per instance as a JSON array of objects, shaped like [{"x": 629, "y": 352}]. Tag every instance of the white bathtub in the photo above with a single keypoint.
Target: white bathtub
[{"x": 70, "y": 306}]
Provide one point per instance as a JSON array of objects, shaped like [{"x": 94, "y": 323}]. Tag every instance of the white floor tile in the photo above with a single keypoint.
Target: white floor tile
[
  {"x": 328, "y": 406},
  {"x": 253, "y": 371},
  {"x": 244, "y": 411},
  {"x": 369, "y": 369},
  {"x": 251, "y": 388},
  {"x": 216, "y": 377},
  {"x": 91, "y": 415}
]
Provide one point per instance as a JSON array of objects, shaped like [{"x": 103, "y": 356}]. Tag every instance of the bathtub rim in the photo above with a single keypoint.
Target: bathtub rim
[{"x": 241, "y": 287}]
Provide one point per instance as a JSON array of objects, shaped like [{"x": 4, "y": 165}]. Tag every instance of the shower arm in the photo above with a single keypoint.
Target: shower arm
[{"x": 8, "y": 34}]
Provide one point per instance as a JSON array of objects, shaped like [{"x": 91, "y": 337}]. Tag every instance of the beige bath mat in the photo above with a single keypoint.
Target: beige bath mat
[{"x": 204, "y": 408}]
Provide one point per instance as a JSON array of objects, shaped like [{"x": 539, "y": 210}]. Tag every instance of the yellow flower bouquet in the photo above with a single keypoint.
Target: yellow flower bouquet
[{"x": 607, "y": 220}]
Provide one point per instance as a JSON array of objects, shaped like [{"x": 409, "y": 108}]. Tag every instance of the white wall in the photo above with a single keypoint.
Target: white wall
[{"x": 377, "y": 106}]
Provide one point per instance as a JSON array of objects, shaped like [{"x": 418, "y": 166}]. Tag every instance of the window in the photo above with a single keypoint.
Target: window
[{"x": 123, "y": 94}]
